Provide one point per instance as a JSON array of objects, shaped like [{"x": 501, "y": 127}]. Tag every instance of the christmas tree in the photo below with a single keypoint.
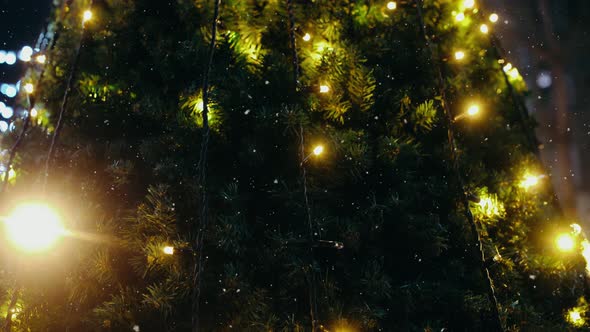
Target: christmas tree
[{"x": 264, "y": 165}]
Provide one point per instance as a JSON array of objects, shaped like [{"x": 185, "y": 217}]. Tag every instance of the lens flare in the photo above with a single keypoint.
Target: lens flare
[{"x": 34, "y": 227}]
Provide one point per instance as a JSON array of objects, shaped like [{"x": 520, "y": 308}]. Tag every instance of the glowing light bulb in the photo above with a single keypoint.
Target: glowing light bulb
[
  {"x": 484, "y": 28},
  {"x": 307, "y": 37},
  {"x": 494, "y": 18},
  {"x": 459, "y": 55},
  {"x": 473, "y": 110},
  {"x": 565, "y": 242},
  {"x": 7, "y": 112},
  {"x": 513, "y": 73},
  {"x": 168, "y": 250},
  {"x": 10, "y": 90},
  {"x": 41, "y": 58},
  {"x": 318, "y": 150},
  {"x": 324, "y": 89},
  {"x": 34, "y": 227},
  {"x": 574, "y": 316},
  {"x": 10, "y": 58},
  {"x": 29, "y": 88},
  {"x": 469, "y": 3},
  {"x": 87, "y": 16},
  {"x": 459, "y": 17},
  {"x": 25, "y": 54},
  {"x": 391, "y": 5},
  {"x": 529, "y": 181}
]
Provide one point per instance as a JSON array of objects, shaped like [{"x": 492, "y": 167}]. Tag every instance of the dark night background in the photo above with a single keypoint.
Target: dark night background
[
  {"x": 20, "y": 24},
  {"x": 546, "y": 39}
]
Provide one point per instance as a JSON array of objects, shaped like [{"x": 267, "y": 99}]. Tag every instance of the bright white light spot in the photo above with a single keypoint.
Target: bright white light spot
[
  {"x": 514, "y": 73},
  {"x": 529, "y": 181},
  {"x": 7, "y": 112},
  {"x": 87, "y": 16},
  {"x": 318, "y": 150},
  {"x": 3, "y": 126},
  {"x": 34, "y": 112},
  {"x": 168, "y": 250},
  {"x": 29, "y": 88},
  {"x": 565, "y": 242},
  {"x": 459, "y": 17},
  {"x": 10, "y": 91},
  {"x": 2, "y": 57},
  {"x": 10, "y": 58},
  {"x": 473, "y": 110},
  {"x": 391, "y": 5},
  {"x": 34, "y": 227},
  {"x": 324, "y": 89},
  {"x": 459, "y": 55},
  {"x": 544, "y": 80},
  {"x": 507, "y": 67},
  {"x": 41, "y": 58},
  {"x": 574, "y": 316},
  {"x": 307, "y": 37},
  {"x": 484, "y": 28},
  {"x": 494, "y": 18},
  {"x": 469, "y": 3},
  {"x": 25, "y": 54}
]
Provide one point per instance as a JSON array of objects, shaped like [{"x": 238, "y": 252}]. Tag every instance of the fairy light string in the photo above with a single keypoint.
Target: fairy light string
[
  {"x": 311, "y": 275},
  {"x": 454, "y": 160},
  {"x": 87, "y": 16},
  {"x": 202, "y": 169}
]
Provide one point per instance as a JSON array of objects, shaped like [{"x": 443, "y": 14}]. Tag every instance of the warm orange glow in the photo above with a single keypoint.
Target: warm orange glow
[
  {"x": 459, "y": 55},
  {"x": 29, "y": 88},
  {"x": 565, "y": 242},
  {"x": 318, "y": 150},
  {"x": 41, "y": 58},
  {"x": 34, "y": 227},
  {"x": 87, "y": 16}
]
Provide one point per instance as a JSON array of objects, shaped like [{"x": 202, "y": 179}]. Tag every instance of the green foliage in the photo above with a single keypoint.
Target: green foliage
[{"x": 384, "y": 187}]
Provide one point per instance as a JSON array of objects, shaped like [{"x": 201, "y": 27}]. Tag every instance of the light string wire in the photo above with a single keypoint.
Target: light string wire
[
  {"x": 202, "y": 169},
  {"x": 311, "y": 275},
  {"x": 64, "y": 103},
  {"x": 454, "y": 160}
]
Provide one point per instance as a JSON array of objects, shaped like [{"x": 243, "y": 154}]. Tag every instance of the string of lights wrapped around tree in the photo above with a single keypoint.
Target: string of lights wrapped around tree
[
  {"x": 86, "y": 17},
  {"x": 472, "y": 110},
  {"x": 566, "y": 241},
  {"x": 201, "y": 228},
  {"x": 311, "y": 274}
]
